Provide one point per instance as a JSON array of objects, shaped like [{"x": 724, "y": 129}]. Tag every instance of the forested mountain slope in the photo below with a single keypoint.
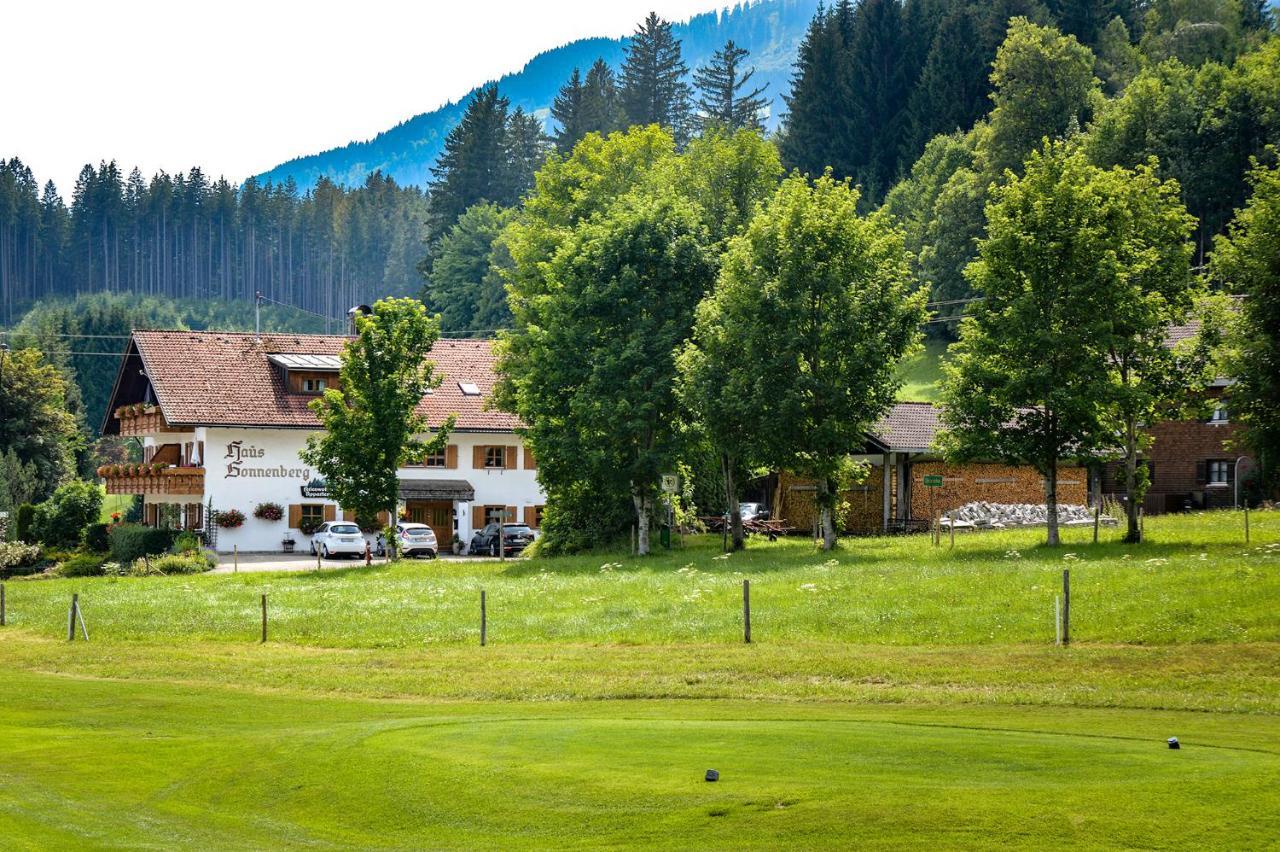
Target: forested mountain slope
[{"x": 771, "y": 30}]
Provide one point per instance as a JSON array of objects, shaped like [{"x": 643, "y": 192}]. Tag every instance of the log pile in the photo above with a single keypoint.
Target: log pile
[{"x": 984, "y": 515}]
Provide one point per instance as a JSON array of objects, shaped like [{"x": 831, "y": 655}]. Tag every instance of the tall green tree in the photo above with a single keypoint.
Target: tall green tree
[
  {"x": 880, "y": 82},
  {"x": 527, "y": 145},
  {"x": 370, "y": 426},
  {"x": 819, "y": 105},
  {"x": 567, "y": 110},
  {"x": 652, "y": 87},
  {"x": 1044, "y": 87},
  {"x": 1030, "y": 380},
  {"x": 1147, "y": 268},
  {"x": 35, "y": 423},
  {"x": 722, "y": 100},
  {"x": 474, "y": 166},
  {"x": 601, "y": 101},
  {"x": 814, "y": 300},
  {"x": 599, "y": 393},
  {"x": 465, "y": 283},
  {"x": 953, "y": 90},
  {"x": 1248, "y": 259}
]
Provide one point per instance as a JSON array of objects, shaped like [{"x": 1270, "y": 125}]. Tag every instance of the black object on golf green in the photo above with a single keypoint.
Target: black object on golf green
[{"x": 713, "y": 775}]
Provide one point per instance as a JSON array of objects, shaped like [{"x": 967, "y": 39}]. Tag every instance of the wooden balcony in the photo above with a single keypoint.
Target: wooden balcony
[
  {"x": 138, "y": 421},
  {"x": 153, "y": 479}
]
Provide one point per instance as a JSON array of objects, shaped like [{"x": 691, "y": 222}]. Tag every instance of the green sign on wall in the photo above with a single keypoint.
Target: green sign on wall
[{"x": 933, "y": 480}]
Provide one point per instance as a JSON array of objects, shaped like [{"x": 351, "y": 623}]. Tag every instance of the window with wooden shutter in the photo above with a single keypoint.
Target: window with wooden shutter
[
  {"x": 530, "y": 463},
  {"x": 510, "y": 460},
  {"x": 477, "y": 457},
  {"x": 330, "y": 512},
  {"x": 295, "y": 515},
  {"x": 451, "y": 457},
  {"x": 511, "y": 514}
]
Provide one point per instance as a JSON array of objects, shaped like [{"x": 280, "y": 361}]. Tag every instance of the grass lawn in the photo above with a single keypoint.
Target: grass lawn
[
  {"x": 922, "y": 375},
  {"x": 112, "y": 503},
  {"x": 895, "y": 694}
]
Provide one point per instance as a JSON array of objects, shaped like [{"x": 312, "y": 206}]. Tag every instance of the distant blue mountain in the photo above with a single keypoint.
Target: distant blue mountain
[{"x": 771, "y": 30}]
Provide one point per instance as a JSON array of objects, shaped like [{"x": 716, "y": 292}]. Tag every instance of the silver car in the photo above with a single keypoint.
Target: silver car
[
  {"x": 416, "y": 540},
  {"x": 336, "y": 537}
]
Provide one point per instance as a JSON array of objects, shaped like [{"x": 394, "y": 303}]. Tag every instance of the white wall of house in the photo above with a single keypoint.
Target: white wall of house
[{"x": 245, "y": 467}]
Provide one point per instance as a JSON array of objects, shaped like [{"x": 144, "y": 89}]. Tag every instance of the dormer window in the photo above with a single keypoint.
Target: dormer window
[
  {"x": 469, "y": 388},
  {"x": 1219, "y": 416},
  {"x": 313, "y": 385}
]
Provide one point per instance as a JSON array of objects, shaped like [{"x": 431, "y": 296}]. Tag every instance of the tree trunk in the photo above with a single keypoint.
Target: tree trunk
[
  {"x": 643, "y": 510},
  {"x": 735, "y": 508},
  {"x": 826, "y": 512},
  {"x": 1133, "y": 533},
  {"x": 1051, "y": 502}
]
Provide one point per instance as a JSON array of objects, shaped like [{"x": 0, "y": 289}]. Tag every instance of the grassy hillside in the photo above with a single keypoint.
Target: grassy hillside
[
  {"x": 895, "y": 694},
  {"x": 922, "y": 375}
]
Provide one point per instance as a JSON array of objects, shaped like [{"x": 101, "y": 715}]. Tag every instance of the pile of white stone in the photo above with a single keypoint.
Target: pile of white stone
[{"x": 984, "y": 515}]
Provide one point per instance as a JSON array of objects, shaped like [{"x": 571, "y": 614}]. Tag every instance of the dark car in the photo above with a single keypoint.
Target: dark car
[{"x": 515, "y": 538}]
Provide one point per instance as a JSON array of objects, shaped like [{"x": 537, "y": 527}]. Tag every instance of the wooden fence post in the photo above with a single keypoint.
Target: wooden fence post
[
  {"x": 483, "y": 619},
  {"x": 1097, "y": 519},
  {"x": 264, "y": 618},
  {"x": 71, "y": 618},
  {"x": 1, "y": 604},
  {"x": 1246, "y": 530},
  {"x": 1066, "y": 606},
  {"x": 952, "y": 516},
  {"x": 235, "y": 557},
  {"x": 746, "y": 611}
]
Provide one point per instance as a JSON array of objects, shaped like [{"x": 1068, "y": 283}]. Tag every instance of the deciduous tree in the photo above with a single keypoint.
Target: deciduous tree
[
  {"x": 811, "y": 314},
  {"x": 370, "y": 424},
  {"x": 1248, "y": 259}
]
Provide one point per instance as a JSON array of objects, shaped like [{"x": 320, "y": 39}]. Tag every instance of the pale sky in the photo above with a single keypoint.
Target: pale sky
[{"x": 237, "y": 87}]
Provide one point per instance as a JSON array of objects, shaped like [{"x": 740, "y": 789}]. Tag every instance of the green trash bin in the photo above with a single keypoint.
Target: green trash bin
[{"x": 664, "y": 536}]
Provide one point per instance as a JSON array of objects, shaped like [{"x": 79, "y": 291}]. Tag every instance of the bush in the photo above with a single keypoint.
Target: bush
[
  {"x": 60, "y": 521},
  {"x": 114, "y": 569},
  {"x": 133, "y": 541},
  {"x": 170, "y": 563},
  {"x": 15, "y": 555},
  {"x": 269, "y": 512},
  {"x": 97, "y": 537},
  {"x": 82, "y": 565},
  {"x": 185, "y": 542},
  {"x": 22, "y": 525}
]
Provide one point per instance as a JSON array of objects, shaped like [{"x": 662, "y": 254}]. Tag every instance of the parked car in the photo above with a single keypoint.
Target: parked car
[
  {"x": 416, "y": 540},
  {"x": 753, "y": 511},
  {"x": 335, "y": 537},
  {"x": 515, "y": 538}
]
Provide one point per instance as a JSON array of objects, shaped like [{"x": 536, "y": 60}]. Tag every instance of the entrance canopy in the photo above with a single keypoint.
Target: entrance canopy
[{"x": 437, "y": 489}]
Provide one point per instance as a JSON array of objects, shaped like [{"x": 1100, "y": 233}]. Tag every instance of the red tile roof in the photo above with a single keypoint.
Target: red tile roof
[
  {"x": 217, "y": 378},
  {"x": 909, "y": 426}
]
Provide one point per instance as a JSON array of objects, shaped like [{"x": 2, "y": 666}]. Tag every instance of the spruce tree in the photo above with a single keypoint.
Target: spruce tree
[
  {"x": 527, "y": 147},
  {"x": 601, "y": 102},
  {"x": 720, "y": 84},
  {"x": 653, "y": 88},
  {"x": 818, "y": 106},
  {"x": 474, "y": 165},
  {"x": 878, "y": 86},
  {"x": 954, "y": 90},
  {"x": 566, "y": 109}
]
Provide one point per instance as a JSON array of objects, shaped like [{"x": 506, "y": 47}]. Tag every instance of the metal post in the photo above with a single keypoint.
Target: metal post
[
  {"x": 1246, "y": 541},
  {"x": 952, "y": 516},
  {"x": 235, "y": 556},
  {"x": 746, "y": 611},
  {"x": 264, "y": 618},
  {"x": 1057, "y": 620},
  {"x": 1066, "y": 606},
  {"x": 1097, "y": 519},
  {"x": 484, "y": 617},
  {"x": 1, "y": 604}
]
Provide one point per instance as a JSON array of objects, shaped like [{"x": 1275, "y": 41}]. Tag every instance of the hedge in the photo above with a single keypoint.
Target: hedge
[
  {"x": 133, "y": 541},
  {"x": 22, "y": 527},
  {"x": 97, "y": 537}
]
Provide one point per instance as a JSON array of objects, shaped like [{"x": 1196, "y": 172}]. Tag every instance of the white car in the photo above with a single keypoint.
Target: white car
[
  {"x": 336, "y": 537},
  {"x": 416, "y": 540}
]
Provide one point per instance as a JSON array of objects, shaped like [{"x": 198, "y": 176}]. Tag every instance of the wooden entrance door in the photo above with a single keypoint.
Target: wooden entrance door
[{"x": 437, "y": 514}]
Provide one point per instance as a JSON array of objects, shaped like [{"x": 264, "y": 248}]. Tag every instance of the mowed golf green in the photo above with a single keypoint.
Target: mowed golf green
[{"x": 874, "y": 708}]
